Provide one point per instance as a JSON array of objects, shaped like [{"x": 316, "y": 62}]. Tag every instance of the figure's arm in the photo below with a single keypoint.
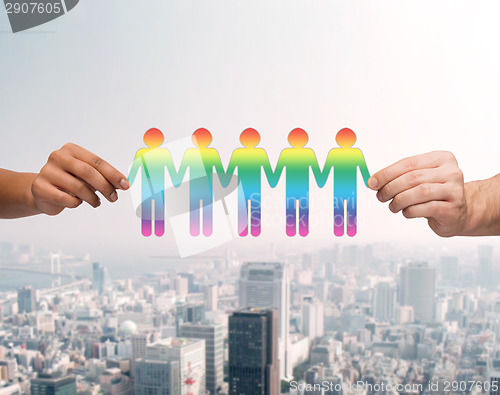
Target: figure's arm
[
  {"x": 171, "y": 169},
  {"x": 275, "y": 176},
  {"x": 432, "y": 186},
  {"x": 318, "y": 174},
  {"x": 226, "y": 177},
  {"x": 135, "y": 167},
  {"x": 322, "y": 178},
  {"x": 182, "y": 170},
  {"x": 267, "y": 167},
  {"x": 71, "y": 175},
  {"x": 363, "y": 168}
]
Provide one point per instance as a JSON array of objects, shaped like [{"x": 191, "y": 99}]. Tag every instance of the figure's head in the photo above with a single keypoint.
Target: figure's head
[
  {"x": 153, "y": 138},
  {"x": 202, "y": 138},
  {"x": 346, "y": 138},
  {"x": 298, "y": 138},
  {"x": 249, "y": 138}
]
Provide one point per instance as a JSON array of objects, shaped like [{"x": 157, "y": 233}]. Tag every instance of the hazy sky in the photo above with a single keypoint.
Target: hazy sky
[{"x": 407, "y": 77}]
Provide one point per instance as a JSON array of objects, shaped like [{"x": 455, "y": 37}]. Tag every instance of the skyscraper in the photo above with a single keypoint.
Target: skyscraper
[
  {"x": 312, "y": 318},
  {"x": 100, "y": 277},
  {"x": 213, "y": 335},
  {"x": 211, "y": 297},
  {"x": 485, "y": 272},
  {"x": 156, "y": 377},
  {"x": 189, "y": 354},
  {"x": 384, "y": 302},
  {"x": 266, "y": 285},
  {"x": 26, "y": 299},
  {"x": 253, "y": 352},
  {"x": 417, "y": 288},
  {"x": 53, "y": 384},
  {"x": 189, "y": 312}
]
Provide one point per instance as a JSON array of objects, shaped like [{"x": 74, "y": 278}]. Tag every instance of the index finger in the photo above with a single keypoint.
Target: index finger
[
  {"x": 115, "y": 178},
  {"x": 390, "y": 173}
]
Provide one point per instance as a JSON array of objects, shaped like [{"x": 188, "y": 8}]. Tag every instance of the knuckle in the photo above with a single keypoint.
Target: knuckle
[
  {"x": 424, "y": 190},
  {"x": 55, "y": 156},
  {"x": 96, "y": 160},
  {"x": 410, "y": 163},
  {"x": 68, "y": 146}
]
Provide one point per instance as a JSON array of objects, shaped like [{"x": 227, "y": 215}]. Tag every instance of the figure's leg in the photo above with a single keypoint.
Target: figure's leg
[
  {"x": 160, "y": 213},
  {"x": 242, "y": 212},
  {"x": 304, "y": 216},
  {"x": 194, "y": 215},
  {"x": 255, "y": 213},
  {"x": 338, "y": 215},
  {"x": 351, "y": 220},
  {"x": 207, "y": 207},
  {"x": 291, "y": 214},
  {"x": 146, "y": 217}
]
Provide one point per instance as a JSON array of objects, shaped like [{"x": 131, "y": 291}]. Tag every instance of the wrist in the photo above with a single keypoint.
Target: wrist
[
  {"x": 474, "y": 209},
  {"x": 29, "y": 199}
]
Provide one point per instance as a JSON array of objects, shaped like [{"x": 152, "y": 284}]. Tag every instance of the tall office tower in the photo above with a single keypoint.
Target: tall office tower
[
  {"x": 417, "y": 288},
  {"x": 193, "y": 313},
  {"x": 211, "y": 297},
  {"x": 100, "y": 277},
  {"x": 26, "y": 299},
  {"x": 153, "y": 377},
  {"x": 53, "y": 384},
  {"x": 450, "y": 270},
  {"x": 139, "y": 343},
  {"x": 494, "y": 376},
  {"x": 253, "y": 352},
  {"x": 313, "y": 317},
  {"x": 384, "y": 302},
  {"x": 190, "y": 356},
  {"x": 213, "y": 334},
  {"x": 485, "y": 276},
  {"x": 266, "y": 285}
]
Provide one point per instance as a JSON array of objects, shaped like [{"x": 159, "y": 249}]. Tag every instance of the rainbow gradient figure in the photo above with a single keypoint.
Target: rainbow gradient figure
[
  {"x": 200, "y": 161},
  {"x": 297, "y": 161},
  {"x": 249, "y": 161},
  {"x": 345, "y": 162},
  {"x": 153, "y": 160}
]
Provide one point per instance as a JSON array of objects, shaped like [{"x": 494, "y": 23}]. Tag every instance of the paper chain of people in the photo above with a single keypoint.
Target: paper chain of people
[{"x": 249, "y": 160}]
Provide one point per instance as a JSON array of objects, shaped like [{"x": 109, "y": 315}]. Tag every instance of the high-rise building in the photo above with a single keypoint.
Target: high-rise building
[
  {"x": 139, "y": 343},
  {"x": 213, "y": 334},
  {"x": 53, "y": 384},
  {"x": 211, "y": 297},
  {"x": 417, "y": 288},
  {"x": 26, "y": 299},
  {"x": 450, "y": 270},
  {"x": 266, "y": 285},
  {"x": 312, "y": 318},
  {"x": 494, "y": 376},
  {"x": 384, "y": 302},
  {"x": 189, "y": 354},
  {"x": 485, "y": 276},
  {"x": 156, "y": 377},
  {"x": 100, "y": 277},
  {"x": 253, "y": 352},
  {"x": 189, "y": 312}
]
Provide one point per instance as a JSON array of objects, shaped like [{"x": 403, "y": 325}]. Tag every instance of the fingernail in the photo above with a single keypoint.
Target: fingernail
[
  {"x": 379, "y": 197},
  {"x": 98, "y": 203},
  {"x": 113, "y": 197},
  {"x": 124, "y": 183},
  {"x": 372, "y": 182}
]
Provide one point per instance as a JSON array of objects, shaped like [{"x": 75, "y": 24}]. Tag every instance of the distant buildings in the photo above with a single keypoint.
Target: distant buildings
[
  {"x": 26, "y": 300},
  {"x": 266, "y": 285},
  {"x": 253, "y": 352},
  {"x": 417, "y": 288}
]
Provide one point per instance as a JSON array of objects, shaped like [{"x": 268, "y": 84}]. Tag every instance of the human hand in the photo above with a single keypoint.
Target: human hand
[
  {"x": 431, "y": 186},
  {"x": 72, "y": 175}
]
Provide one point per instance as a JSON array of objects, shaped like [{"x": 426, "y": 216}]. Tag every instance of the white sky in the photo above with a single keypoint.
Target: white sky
[{"x": 407, "y": 77}]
